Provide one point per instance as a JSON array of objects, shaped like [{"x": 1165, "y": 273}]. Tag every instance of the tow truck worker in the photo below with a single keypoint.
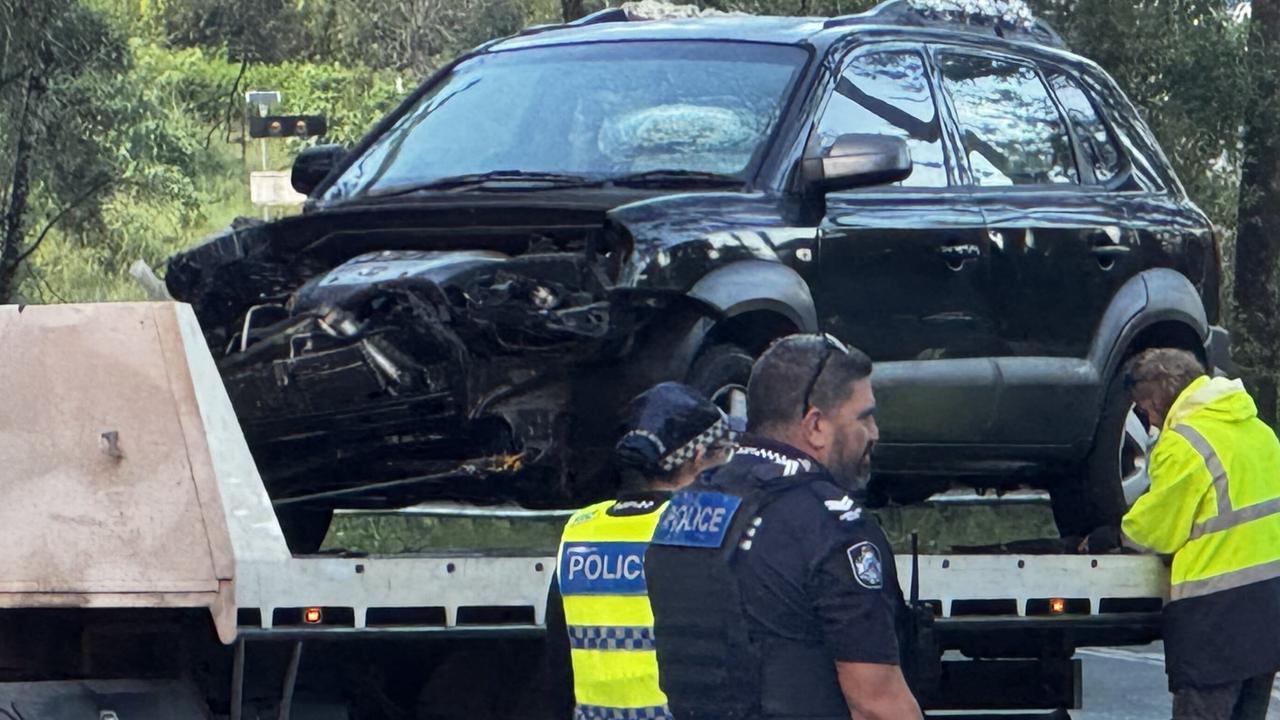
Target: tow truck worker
[
  {"x": 1214, "y": 505},
  {"x": 672, "y": 434},
  {"x": 774, "y": 594}
]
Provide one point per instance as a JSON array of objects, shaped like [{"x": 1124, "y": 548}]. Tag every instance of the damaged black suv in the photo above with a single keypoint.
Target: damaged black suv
[{"x": 560, "y": 218}]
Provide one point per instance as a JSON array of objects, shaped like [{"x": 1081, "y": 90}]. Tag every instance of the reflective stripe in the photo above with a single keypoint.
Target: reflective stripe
[
  {"x": 1222, "y": 488},
  {"x": 1235, "y": 518},
  {"x": 601, "y": 637},
  {"x": 1228, "y": 517},
  {"x": 601, "y": 712},
  {"x": 1225, "y": 581}
]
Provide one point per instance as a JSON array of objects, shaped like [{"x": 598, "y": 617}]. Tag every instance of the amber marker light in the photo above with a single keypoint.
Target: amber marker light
[
  {"x": 312, "y": 616},
  {"x": 1057, "y": 606}
]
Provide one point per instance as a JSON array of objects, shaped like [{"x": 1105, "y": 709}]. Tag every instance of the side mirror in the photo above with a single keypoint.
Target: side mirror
[
  {"x": 313, "y": 165},
  {"x": 858, "y": 161}
]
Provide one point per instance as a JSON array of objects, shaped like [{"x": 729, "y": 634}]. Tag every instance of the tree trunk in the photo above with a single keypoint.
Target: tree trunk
[
  {"x": 13, "y": 224},
  {"x": 1257, "y": 262},
  {"x": 572, "y": 9}
]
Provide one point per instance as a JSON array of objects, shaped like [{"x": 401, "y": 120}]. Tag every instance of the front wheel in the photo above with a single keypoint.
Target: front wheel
[
  {"x": 1114, "y": 472},
  {"x": 721, "y": 373}
]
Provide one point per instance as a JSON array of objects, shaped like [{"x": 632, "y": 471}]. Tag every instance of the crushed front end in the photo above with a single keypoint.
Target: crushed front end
[{"x": 402, "y": 375}]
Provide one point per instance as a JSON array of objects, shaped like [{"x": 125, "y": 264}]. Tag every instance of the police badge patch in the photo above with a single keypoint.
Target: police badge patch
[{"x": 865, "y": 560}]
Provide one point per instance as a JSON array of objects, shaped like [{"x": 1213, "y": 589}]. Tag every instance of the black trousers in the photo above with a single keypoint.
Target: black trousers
[{"x": 1245, "y": 700}]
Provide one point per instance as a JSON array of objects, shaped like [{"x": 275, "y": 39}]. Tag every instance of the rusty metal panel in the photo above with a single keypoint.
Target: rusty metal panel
[{"x": 99, "y": 433}]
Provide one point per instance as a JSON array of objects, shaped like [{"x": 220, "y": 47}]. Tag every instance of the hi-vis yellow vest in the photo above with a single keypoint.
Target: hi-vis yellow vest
[
  {"x": 1214, "y": 502},
  {"x": 606, "y": 608}
]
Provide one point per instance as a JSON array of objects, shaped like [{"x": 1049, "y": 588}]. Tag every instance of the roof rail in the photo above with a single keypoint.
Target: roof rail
[
  {"x": 1010, "y": 19},
  {"x": 600, "y": 16}
]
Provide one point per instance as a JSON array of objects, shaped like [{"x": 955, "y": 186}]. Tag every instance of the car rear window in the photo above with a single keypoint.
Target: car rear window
[
  {"x": 1013, "y": 133},
  {"x": 1094, "y": 139}
]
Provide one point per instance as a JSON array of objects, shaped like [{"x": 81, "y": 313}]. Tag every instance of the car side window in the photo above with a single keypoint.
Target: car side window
[
  {"x": 887, "y": 93},
  {"x": 1012, "y": 132},
  {"x": 1100, "y": 148}
]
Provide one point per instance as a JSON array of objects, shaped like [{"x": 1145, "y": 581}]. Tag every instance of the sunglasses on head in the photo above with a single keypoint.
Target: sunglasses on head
[{"x": 830, "y": 346}]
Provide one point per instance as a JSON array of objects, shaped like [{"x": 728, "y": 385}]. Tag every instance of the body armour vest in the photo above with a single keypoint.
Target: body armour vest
[{"x": 716, "y": 663}]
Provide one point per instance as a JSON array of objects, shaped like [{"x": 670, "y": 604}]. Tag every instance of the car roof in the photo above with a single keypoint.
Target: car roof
[
  {"x": 903, "y": 16},
  {"x": 743, "y": 28}
]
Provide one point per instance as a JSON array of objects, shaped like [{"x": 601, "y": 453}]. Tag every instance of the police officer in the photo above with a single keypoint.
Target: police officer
[
  {"x": 598, "y": 602},
  {"x": 774, "y": 594},
  {"x": 1214, "y": 505}
]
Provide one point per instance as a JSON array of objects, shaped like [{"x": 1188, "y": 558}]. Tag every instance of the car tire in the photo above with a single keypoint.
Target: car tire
[
  {"x": 721, "y": 373},
  {"x": 305, "y": 528},
  {"x": 1094, "y": 496}
]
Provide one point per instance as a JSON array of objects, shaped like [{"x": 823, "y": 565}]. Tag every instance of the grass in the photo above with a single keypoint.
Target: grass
[{"x": 939, "y": 528}]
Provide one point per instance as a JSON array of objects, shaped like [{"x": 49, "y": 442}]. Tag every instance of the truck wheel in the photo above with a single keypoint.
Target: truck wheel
[
  {"x": 721, "y": 373},
  {"x": 304, "y": 528},
  {"x": 1095, "y": 497}
]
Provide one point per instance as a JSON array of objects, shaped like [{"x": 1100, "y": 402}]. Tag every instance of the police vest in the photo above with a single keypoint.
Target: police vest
[
  {"x": 712, "y": 668},
  {"x": 1215, "y": 505},
  {"x": 602, "y": 581}
]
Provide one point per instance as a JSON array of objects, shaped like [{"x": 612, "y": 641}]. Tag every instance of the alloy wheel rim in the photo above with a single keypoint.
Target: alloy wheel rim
[
  {"x": 1136, "y": 442},
  {"x": 732, "y": 399}
]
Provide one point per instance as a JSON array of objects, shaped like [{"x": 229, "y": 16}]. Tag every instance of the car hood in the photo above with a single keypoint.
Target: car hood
[{"x": 646, "y": 238}]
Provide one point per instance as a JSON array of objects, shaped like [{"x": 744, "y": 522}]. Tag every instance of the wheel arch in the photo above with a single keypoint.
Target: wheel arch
[
  {"x": 1170, "y": 314},
  {"x": 752, "y": 290}
]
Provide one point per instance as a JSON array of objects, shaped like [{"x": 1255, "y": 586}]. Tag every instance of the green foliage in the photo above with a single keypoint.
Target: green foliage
[
  {"x": 174, "y": 139},
  {"x": 59, "y": 65},
  {"x": 940, "y": 528},
  {"x": 254, "y": 30},
  {"x": 1182, "y": 64},
  {"x": 413, "y": 34}
]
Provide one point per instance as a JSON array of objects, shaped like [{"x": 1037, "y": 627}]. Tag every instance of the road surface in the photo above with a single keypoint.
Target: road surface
[{"x": 1129, "y": 684}]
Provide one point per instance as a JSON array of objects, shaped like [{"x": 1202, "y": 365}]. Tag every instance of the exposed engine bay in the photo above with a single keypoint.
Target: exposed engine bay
[{"x": 405, "y": 374}]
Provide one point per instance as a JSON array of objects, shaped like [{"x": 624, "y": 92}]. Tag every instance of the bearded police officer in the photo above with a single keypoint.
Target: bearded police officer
[
  {"x": 602, "y": 610},
  {"x": 1214, "y": 505},
  {"x": 774, "y": 594}
]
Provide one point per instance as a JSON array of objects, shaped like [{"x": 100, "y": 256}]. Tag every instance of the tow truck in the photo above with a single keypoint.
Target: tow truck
[{"x": 144, "y": 573}]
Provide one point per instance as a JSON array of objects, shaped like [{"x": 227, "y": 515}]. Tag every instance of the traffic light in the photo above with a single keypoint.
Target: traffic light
[{"x": 280, "y": 126}]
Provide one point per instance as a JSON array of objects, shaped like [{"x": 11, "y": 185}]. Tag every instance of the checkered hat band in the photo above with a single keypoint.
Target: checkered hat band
[{"x": 719, "y": 431}]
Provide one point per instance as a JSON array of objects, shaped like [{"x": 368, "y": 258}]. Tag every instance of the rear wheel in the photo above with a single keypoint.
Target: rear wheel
[{"x": 1114, "y": 470}]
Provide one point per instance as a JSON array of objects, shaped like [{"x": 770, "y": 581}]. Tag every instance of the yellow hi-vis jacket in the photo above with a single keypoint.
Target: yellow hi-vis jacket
[
  {"x": 606, "y": 608},
  {"x": 1214, "y": 505}
]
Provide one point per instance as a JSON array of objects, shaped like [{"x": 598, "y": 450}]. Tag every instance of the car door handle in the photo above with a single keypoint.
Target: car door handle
[
  {"x": 1109, "y": 251},
  {"x": 1106, "y": 251},
  {"x": 957, "y": 254}
]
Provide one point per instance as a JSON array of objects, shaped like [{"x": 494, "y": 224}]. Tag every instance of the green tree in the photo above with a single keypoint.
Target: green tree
[
  {"x": 1257, "y": 252},
  {"x": 53, "y": 57},
  {"x": 249, "y": 30},
  {"x": 1181, "y": 62}
]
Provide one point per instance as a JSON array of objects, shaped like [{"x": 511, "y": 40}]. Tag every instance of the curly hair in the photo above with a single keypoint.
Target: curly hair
[{"x": 1160, "y": 375}]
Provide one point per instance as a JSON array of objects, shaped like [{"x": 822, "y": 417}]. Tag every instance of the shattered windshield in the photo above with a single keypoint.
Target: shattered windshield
[{"x": 587, "y": 112}]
